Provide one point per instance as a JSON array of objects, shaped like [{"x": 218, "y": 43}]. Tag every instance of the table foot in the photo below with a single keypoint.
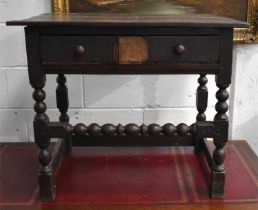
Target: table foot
[
  {"x": 217, "y": 184},
  {"x": 46, "y": 187}
]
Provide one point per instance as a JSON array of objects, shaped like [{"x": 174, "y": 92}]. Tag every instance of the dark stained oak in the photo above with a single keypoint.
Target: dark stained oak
[
  {"x": 129, "y": 44},
  {"x": 161, "y": 49},
  {"x": 62, "y": 101},
  {"x": 201, "y": 105},
  {"x": 122, "y": 20}
]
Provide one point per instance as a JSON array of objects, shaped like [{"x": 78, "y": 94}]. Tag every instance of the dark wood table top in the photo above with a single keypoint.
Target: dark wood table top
[{"x": 109, "y": 19}]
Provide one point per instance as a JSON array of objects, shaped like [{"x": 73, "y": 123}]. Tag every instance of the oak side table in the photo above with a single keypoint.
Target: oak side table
[{"x": 129, "y": 44}]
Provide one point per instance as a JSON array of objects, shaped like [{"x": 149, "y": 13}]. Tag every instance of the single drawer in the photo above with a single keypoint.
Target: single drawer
[{"x": 126, "y": 50}]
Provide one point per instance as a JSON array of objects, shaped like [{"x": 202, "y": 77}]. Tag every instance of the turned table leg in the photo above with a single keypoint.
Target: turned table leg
[
  {"x": 218, "y": 171},
  {"x": 62, "y": 101},
  {"x": 46, "y": 185},
  {"x": 201, "y": 104},
  {"x": 37, "y": 79}
]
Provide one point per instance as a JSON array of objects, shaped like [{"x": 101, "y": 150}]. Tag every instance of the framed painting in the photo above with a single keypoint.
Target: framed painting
[{"x": 244, "y": 10}]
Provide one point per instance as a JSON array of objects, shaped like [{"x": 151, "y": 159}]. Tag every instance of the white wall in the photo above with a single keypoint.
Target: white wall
[
  {"x": 244, "y": 101},
  {"x": 116, "y": 99}
]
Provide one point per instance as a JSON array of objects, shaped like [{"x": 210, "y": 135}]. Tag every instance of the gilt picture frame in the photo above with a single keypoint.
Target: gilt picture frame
[{"x": 248, "y": 11}]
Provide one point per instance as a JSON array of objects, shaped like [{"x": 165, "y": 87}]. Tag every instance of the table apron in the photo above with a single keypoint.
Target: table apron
[{"x": 134, "y": 69}]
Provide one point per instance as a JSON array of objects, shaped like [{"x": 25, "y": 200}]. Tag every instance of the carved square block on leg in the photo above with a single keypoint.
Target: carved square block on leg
[
  {"x": 47, "y": 189},
  {"x": 217, "y": 184}
]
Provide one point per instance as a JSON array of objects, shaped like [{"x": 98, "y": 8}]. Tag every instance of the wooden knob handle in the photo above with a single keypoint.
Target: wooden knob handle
[
  {"x": 180, "y": 49},
  {"x": 79, "y": 50}
]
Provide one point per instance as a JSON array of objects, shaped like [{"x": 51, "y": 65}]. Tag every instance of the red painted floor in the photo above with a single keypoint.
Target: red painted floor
[{"x": 108, "y": 176}]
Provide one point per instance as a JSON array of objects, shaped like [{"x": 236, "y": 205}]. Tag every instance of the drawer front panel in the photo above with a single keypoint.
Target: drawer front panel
[
  {"x": 126, "y": 50},
  {"x": 77, "y": 49},
  {"x": 184, "y": 49}
]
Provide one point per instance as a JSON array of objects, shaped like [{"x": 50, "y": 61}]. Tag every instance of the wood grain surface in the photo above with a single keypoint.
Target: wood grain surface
[
  {"x": 121, "y": 20},
  {"x": 139, "y": 178}
]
